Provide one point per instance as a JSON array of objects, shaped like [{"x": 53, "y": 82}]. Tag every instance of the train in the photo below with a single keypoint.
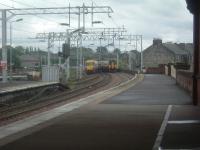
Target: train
[{"x": 95, "y": 66}]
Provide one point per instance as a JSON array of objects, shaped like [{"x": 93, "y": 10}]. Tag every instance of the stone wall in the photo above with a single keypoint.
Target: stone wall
[{"x": 156, "y": 55}]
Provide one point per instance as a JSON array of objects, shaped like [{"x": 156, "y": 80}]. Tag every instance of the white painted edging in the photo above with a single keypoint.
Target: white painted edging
[
  {"x": 162, "y": 129},
  {"x": 34, "y": 120}
]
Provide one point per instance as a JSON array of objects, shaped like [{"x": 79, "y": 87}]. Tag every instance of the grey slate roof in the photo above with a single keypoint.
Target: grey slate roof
[
  {"x": 189, "y": 47},
  {"x": 175, "y": 49}
]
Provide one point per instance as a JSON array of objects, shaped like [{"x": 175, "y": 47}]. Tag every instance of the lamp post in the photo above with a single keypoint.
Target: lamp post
[{"x": 18, "y": 20}]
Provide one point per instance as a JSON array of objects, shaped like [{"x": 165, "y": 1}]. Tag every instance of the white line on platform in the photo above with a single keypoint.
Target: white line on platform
[
  {"x": 184, "y": 122},
  {"x": 162, "y": 129},
  {"x": 176, "y": 149}
]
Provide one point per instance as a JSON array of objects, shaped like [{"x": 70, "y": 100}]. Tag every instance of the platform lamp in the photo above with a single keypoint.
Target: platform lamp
[{"x": 18, "y": 20}]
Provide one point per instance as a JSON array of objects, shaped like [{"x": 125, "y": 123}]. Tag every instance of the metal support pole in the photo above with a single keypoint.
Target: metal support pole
[
  {"x": 100, "y": 57},
  {"x": 10, "y": 50},
  {"x": 59, "y": 57},
  {"x": 77, "y": 50},
  {"x": 81, "y": 59},
  {"x": 136, "y": 43},
  {"x": 81, "y": 47},
  {"x": 118, "y": 54},
  {"x": 83, "y": 17},
  {"x": 68, "y": 68},
  {"x": 49, "y": 46},
  {"x": 129, "y": 61},
  {"x": 77, "y": 61},
  {"x": 117, "y": 60},
  {"x": 4, "y": 42},
  {"x": 68, "y": 58},
  {"x": 69, "y": 15},
  {"x": 92, "y": 15},
  {"x": 141, "y": 55}
]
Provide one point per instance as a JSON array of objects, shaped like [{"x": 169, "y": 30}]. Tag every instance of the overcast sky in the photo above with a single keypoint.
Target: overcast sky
[{"x": 166, "y": 19}]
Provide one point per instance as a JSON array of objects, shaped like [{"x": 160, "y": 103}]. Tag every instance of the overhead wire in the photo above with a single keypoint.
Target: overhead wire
[
  {"x": 21, "y": 3},
  {"x": 28, "y": 5},
  {"x": 115, "y": 23},
  {"x": 99, "y": 16},
  {"x": 25, "y": 4}
]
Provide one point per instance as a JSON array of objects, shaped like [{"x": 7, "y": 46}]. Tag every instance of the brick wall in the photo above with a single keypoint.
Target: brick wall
[
  {"x": 184, "y": 79},
  {"x": 156, "y": 70}
]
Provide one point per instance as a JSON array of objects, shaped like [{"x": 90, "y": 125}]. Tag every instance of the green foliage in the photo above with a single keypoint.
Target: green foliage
[
  {"x": 16, "y": 53},
  {"x": 102, "y": 52},
  {"x": 117, "y": 51}
]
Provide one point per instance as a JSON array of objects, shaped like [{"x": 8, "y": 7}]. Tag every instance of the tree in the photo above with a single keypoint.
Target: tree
[
  {"x": 16, "y": 53},
  {"x": 117, "y": 51},
  {"x": 88, "y": 53},
  {"x": 19, "y": 50},
  {"x": 102, "y": 52},
  {"x": 26, "y": 50}
]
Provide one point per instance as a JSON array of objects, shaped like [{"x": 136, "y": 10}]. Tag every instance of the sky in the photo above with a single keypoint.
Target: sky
[{"x": 166, "y": 19}]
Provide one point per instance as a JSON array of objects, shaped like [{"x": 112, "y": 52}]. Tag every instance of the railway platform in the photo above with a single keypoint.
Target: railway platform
[
  {"x": 15, "y": 86},
  {"x": 151, "y": 114}
]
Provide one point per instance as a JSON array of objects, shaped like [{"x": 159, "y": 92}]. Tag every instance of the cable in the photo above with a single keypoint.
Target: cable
[
  {"x": 114, "y": 22},
  {"x": 21, "y": 3},
  {"x": 17, "y": 29},
  {"x": 99, "y": 16},
  {"x": 110, "y": 17},
  {"x": 53, "y": 3},
  {"x": 25, "y": 4},
  {"x": 6, "y": 5}
]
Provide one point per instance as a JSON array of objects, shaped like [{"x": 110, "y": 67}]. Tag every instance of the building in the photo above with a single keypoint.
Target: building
[
  {"x": 37, "y": 59},
  {"x": 29, "y": 61},
  {"x": 163, "y": 53}
]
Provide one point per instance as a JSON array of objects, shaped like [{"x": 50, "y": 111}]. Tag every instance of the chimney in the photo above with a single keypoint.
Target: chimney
[
  {"x": 182, "y": 45},
  {"x": 157, "y": 41}
]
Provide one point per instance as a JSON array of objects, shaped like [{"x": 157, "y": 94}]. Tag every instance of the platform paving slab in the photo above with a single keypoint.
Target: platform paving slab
[{"x": 22, "y": 85}]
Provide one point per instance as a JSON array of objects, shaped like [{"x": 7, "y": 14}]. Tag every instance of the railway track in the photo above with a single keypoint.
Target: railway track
[
  {"x": 85, "y": 87},
  {"x": 7, "y": 113}
]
